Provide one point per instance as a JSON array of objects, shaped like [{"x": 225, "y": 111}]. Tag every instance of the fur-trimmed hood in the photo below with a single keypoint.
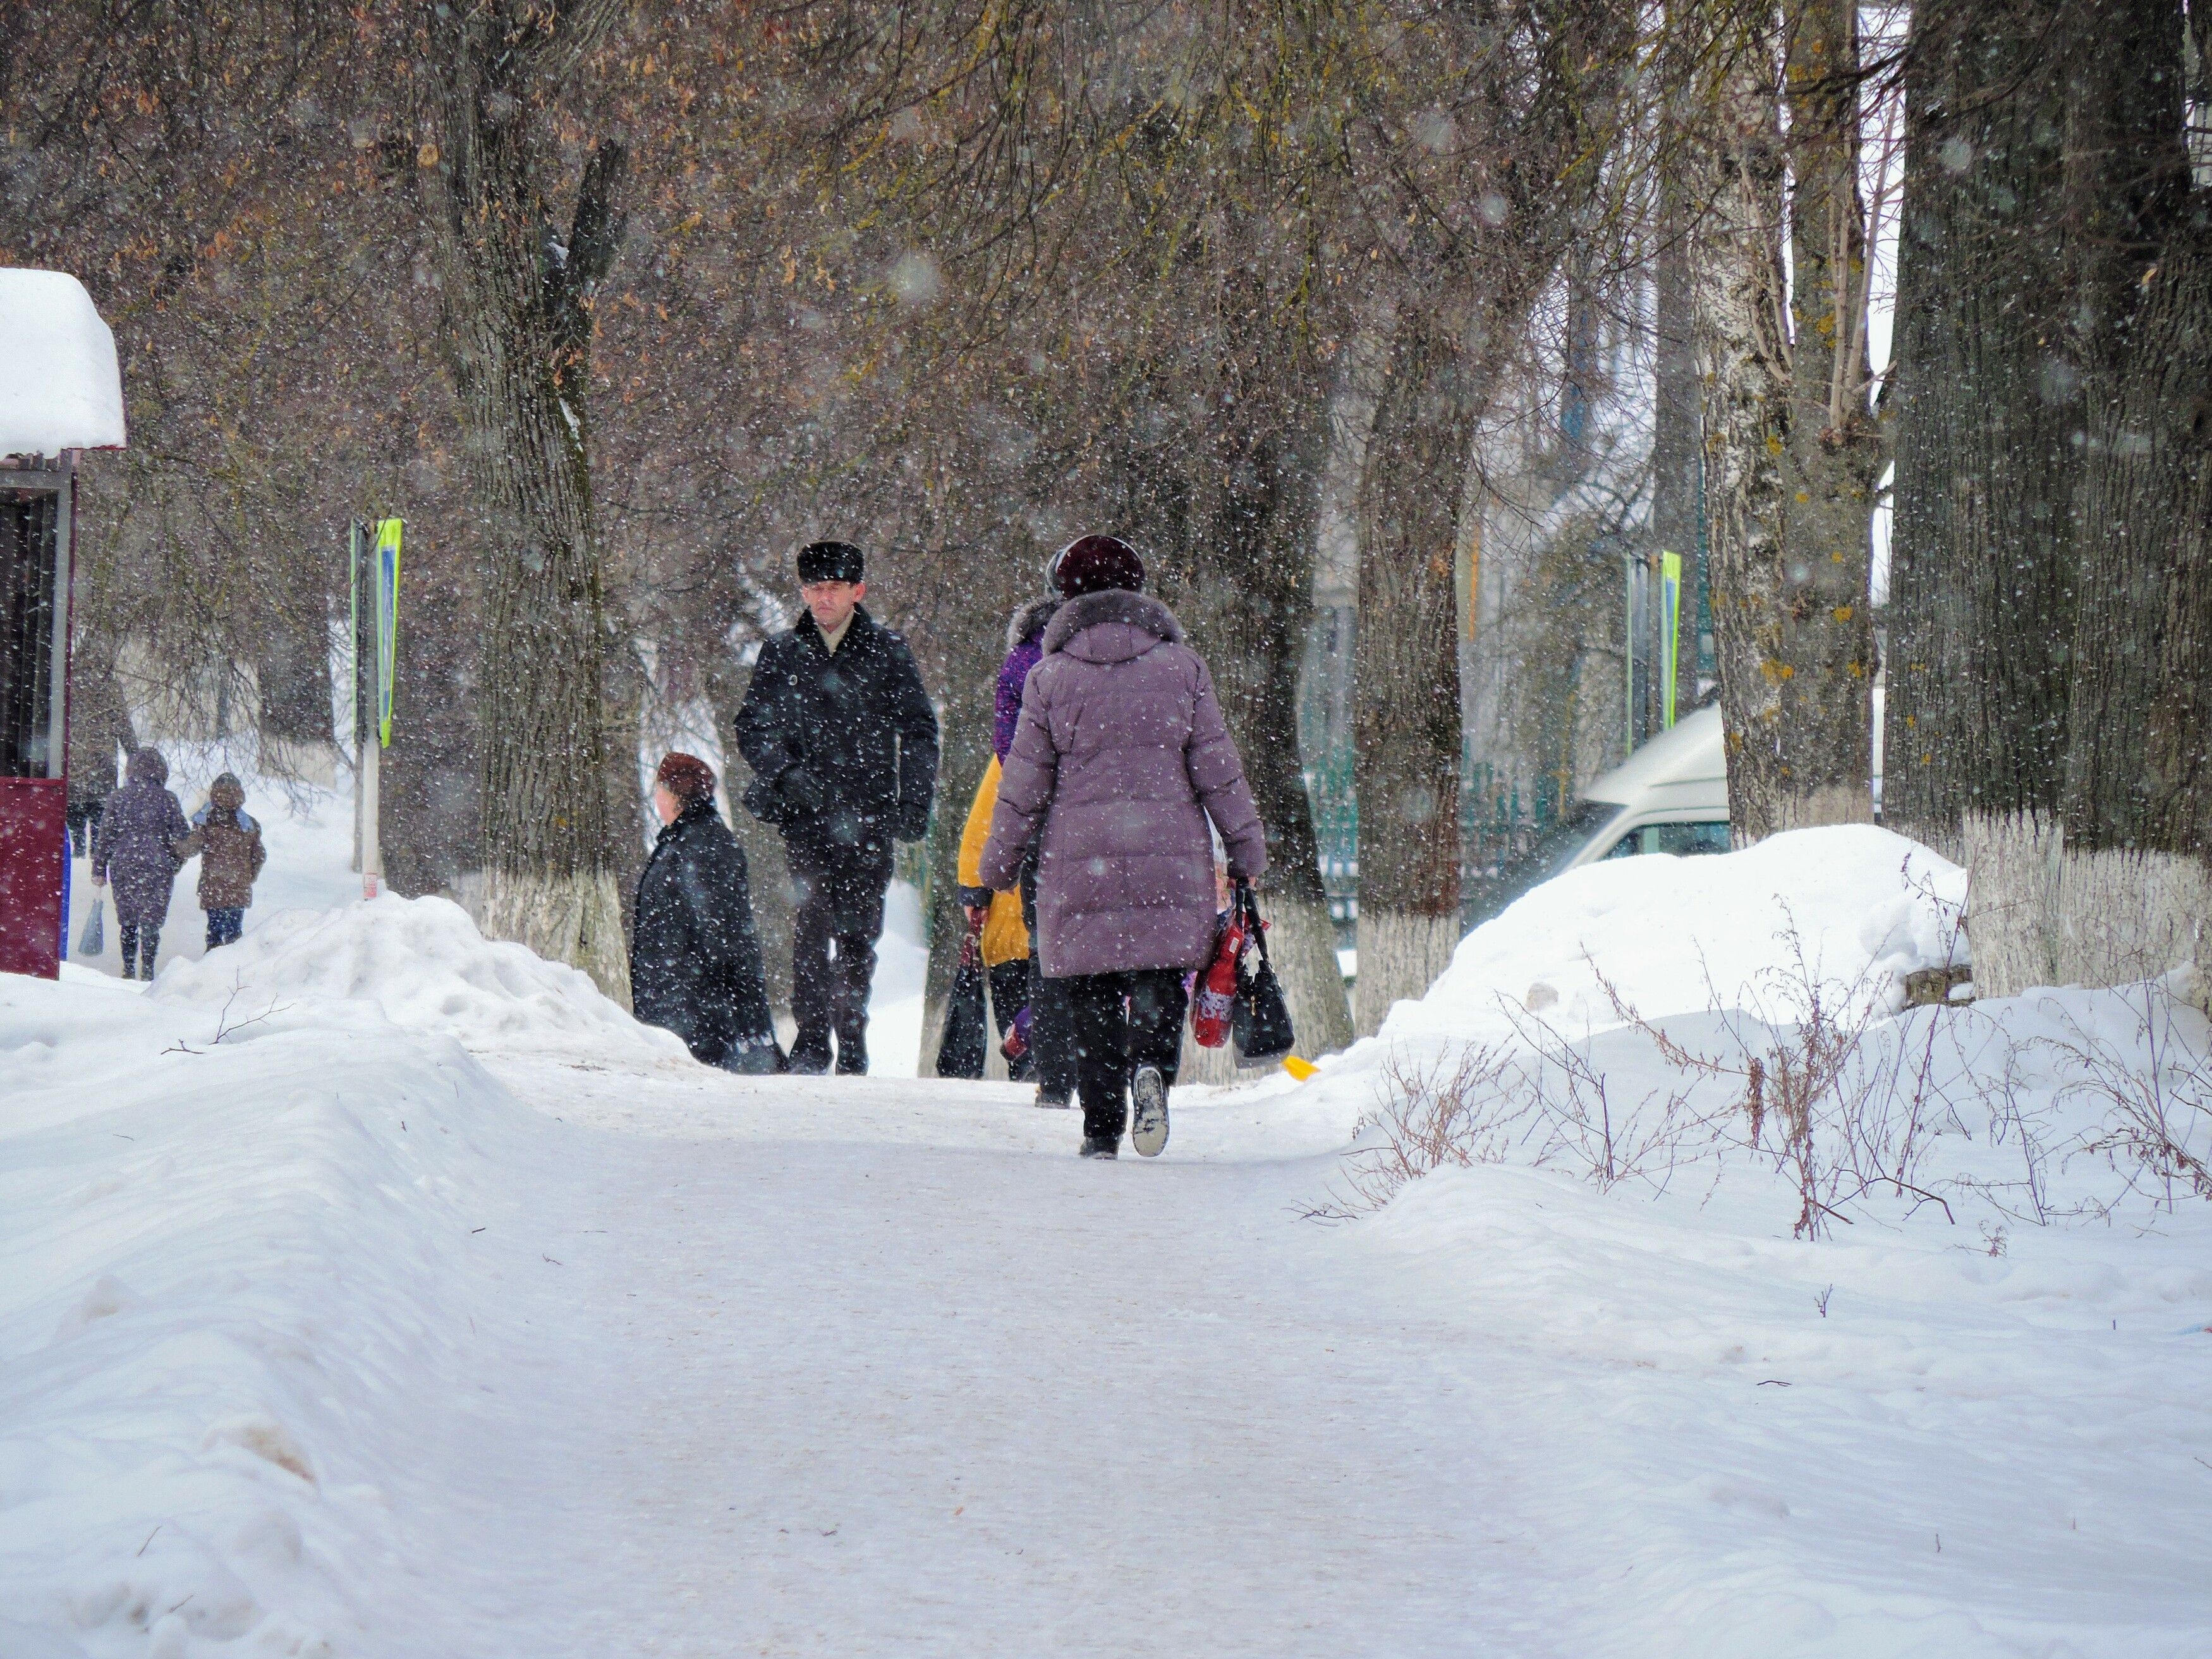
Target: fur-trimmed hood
[
  {"x": 1030, "y": 616},
  {"x": 1113, "y": 626}
]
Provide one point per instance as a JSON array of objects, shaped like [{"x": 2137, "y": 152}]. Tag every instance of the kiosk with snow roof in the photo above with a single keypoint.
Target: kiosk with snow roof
[{"x": 61, "y": 393}]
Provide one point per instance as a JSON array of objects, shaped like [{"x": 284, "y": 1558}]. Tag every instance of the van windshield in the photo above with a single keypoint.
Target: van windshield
[{"x": 1539, "y": 861}]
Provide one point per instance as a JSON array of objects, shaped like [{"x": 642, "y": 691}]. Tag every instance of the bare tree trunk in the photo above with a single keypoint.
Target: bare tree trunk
[
  {"x": 2132, "y": 893},
  {"x": 1246, "y": 592},
  {"x": 1406, "y": 663},
  {"x": 517, "y": 297},
  {"x": 1743, "y": 363},
  {"x": 1835, "y": 454},
  {"x": 1981, "y": 590}
]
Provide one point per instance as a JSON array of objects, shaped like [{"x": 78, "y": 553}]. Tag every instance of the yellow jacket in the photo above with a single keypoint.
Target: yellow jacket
[{"x": 1005, "y": 937}]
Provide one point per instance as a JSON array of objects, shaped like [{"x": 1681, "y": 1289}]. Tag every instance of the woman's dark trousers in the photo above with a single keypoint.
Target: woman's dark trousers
[
  {"x": 1111, "y": 1044},
  {"x": 1010, "y": 994},
  {"x": 139, "y": 944},
  {"x": 224, "y": 927},
  {"x": 1052, "y": 1036}
]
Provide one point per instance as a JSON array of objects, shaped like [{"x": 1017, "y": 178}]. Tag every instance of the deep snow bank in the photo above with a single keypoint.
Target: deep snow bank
[
  {"x": 421, "y": 965},
  {"x": 1972, "y": 1420},
  {"x": 1675, "y": 935},
  {"x": 238, "y": 1281}
]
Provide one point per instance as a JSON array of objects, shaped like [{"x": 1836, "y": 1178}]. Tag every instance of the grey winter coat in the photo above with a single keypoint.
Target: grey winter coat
[
  {"x": 1120, "y": 758},
  {"x": 135, "y": 844}
]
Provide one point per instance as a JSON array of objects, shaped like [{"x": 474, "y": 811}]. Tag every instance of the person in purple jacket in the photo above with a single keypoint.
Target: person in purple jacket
[
  {"x": 135, "y": 846},
  {"x": 1051, "y": 1039},
  {"x": 1120, "y": 759}
]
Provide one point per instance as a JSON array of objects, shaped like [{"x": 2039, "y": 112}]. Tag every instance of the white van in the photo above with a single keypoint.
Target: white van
[{"x": 1670, "y": 796}]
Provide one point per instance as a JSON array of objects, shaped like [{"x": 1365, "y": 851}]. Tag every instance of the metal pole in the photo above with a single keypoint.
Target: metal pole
[
  {"x": 353, "y": 673},
  {"x": 372, "y": 855},
  {"x": 1628, "y": 655}
]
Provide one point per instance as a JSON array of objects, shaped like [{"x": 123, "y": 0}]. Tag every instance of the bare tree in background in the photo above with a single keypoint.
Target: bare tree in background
[
  {"x": 1982, "y": 571},
  {"x": 2130, "y": 893},
  {"x": 1792, "y": 448},
  {"x": 517, "y": 291}
]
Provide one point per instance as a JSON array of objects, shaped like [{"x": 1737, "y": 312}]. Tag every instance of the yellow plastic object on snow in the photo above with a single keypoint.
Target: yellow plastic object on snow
[{"x": 1300, "y": 1069}]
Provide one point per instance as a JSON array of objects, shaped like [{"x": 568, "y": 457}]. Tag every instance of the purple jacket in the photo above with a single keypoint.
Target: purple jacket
[
  {"x": 1025, "y": 650},
  {"x": 134, "y": 847},
  {"x": 1121, "y": 755}
]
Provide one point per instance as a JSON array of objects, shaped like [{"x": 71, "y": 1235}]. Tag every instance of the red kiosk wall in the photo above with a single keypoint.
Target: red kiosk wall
[{"x": 33, "y": 827}]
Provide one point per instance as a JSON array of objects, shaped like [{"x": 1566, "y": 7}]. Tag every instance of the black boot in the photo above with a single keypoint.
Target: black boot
[
  {"x": 809, "y": 1053},
  {"x": 1100, "y": 1146}
]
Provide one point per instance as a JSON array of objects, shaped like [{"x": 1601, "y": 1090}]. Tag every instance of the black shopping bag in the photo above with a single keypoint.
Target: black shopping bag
[
  {"x": 960, "y": 1051},
  {"x": 1262, "y": 1024}
]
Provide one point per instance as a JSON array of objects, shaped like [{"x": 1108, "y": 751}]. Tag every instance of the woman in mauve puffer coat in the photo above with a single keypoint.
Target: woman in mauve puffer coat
[
  {"x": 1120, "y": 757},
  {"x": 135, "y": 847}
]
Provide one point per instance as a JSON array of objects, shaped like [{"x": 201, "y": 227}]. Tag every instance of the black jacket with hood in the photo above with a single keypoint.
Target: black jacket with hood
[{"x": 694, "y": 965}]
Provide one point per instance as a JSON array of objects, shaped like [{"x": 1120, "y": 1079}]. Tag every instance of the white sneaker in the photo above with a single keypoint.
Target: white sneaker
[{"x": 1148, "y": 1123}]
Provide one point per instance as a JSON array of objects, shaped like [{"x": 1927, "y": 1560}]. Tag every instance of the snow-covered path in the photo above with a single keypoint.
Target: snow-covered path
[
  {"x": 372, "y": 1290},
  {"x": 865, "y": 1393}
]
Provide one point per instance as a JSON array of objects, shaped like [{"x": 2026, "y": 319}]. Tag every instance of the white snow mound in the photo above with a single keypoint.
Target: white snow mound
[
  {"x": 419, "y": 963},
  {"x": 1680, "y": 935}
]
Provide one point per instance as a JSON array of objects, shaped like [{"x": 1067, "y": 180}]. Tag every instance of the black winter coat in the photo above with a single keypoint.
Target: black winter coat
[
  {"x": 695, "y": 966},
  {"x": 843, "y": 747}
]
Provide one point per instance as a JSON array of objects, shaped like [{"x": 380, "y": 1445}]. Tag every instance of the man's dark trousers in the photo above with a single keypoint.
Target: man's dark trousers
[{"x": 840, "y": 892}]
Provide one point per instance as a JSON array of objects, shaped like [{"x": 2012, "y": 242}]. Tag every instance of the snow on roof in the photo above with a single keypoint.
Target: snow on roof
[{"x": 59, "y": 385}]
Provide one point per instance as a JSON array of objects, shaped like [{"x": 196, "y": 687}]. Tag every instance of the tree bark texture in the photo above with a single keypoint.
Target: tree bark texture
[
  {"x": 1406, "y": 728},
  {"x": 1987, "y": 406},
  {"x": 1743, "y": 367},
  {"x": 517, "y": 300},
  {"x": 2130, "y": 896},
  {"x": 1835, "y": 454},
  {"x": 1243, "y": 586}
]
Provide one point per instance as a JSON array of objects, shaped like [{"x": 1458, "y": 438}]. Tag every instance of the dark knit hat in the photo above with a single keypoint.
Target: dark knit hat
[
  {"x": 830, "y": 562},
  {"x": 1090, "y": 564},
  {"x": 686, "y": 777}
]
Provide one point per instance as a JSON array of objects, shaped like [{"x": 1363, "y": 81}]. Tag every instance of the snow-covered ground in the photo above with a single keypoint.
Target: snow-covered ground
[
  {"x": 372, "y": 1290},
  {"x": 308, "y": 831}
]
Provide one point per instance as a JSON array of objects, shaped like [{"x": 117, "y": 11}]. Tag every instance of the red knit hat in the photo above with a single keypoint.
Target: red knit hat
[
  {"x": 1090, "y": 564},
  {"x": 686, "y": 777}
]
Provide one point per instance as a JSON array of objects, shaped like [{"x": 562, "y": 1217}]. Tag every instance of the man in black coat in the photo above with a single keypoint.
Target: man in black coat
[
  {"x": 695, "y": 966},
  {"x": 842, "y": 741}
]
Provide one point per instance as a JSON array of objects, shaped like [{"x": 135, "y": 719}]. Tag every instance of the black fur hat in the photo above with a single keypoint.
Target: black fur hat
[{"x": 830, "y": 562}]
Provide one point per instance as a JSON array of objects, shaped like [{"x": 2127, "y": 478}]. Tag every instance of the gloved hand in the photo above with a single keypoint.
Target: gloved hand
[{"x": 802, "y": 789}]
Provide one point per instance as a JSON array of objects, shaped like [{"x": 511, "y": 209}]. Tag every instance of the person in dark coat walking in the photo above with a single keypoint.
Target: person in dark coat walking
[
  {"x": 135, "y": 847},
  {"x": 1120, "y": 760},
  {"x": 695, "y": 964},
  {"x": 842, "y": 742},
  {"x": 228, "y": 845}
]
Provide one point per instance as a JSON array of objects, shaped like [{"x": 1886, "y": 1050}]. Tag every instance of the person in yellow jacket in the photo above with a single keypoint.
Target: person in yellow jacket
[{"x": 1006, "y": 936}]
